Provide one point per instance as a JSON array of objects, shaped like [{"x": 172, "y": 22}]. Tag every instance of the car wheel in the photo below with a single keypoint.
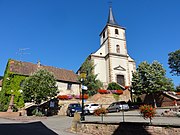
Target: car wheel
[
  {"x": 70, "y": 114},
  {"x": 117, "y": 110}
]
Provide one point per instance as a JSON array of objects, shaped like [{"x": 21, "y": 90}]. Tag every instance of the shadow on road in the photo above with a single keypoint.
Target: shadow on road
[
  {"x": 128, "y": 128},
  {"x": 34, "y": 128}
]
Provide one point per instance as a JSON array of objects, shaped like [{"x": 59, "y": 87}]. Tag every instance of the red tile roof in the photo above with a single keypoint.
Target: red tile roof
[{"x": 27, "y": 68}]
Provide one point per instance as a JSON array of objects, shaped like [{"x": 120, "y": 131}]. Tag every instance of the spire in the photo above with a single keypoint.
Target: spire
[{"x": 111, "y": 19}]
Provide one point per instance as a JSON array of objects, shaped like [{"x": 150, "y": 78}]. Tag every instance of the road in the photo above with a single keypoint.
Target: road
[
  {"x": 59, "y": 125},
  {"x": 56, "y": 125}
]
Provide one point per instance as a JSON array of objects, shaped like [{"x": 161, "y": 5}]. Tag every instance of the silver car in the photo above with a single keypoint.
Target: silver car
[{"x": 118, "y": 106}]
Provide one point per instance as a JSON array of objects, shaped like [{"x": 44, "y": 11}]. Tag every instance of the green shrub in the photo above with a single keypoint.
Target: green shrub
[{"x": 114, "y": 86}]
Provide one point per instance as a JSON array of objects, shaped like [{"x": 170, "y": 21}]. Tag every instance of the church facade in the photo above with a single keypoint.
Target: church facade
[{"x": 112, "y": 61}]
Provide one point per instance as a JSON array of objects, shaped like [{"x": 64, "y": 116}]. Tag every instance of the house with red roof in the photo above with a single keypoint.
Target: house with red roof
[{"x": 67, "y": 80}]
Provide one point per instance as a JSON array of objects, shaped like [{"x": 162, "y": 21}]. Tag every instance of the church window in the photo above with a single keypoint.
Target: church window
[
  {"x": 120, "y": 80},
  {"x": 116, "y": 31},
  {"x": 100, "y": 53},
  {"x": 117, "y": 48},
  {"x": 103, "y": 34},
  {"x": 69, "y": 86}
]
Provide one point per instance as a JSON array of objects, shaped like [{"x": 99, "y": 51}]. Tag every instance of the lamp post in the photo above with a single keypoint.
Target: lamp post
[{"x": 83, "y": 76}]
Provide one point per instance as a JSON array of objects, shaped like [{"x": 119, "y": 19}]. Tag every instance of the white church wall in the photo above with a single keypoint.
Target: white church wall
[
  {"x": 116, "y": 61},
  {"x": 102, "y": 51},
  {"x": 120, "y": 35},
  {"x": 132, "y": 69},
  {"x": 102, "y": 39},
  {"x": 121, "y": 43},
  {"x": 100, "y": 69}
]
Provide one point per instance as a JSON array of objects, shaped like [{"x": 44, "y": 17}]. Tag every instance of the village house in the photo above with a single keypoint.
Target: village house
[{"x": 67, "y": 80}]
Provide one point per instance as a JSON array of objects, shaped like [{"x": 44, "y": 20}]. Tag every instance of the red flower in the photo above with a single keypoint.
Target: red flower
[
  {"x": 103, "y": 91},
  {"x": 63, "y": 97}
]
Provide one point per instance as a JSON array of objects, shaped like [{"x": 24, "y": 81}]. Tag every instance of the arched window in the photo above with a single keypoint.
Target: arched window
[
  {"x": 116, "y": 31},
  {"x": 117, "y": 48}
]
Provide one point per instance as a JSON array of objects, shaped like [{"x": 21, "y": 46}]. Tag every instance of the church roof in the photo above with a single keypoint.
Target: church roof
[
  {"x": 111, "y": 19},
  {"x": 27, "y": 68}
]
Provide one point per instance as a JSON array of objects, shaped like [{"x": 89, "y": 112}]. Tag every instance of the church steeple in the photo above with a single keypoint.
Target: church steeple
[{"x": 111, "y": 19}]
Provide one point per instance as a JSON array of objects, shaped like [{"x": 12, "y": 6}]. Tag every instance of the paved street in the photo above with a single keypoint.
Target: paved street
[{"x": 59, "y": 125}]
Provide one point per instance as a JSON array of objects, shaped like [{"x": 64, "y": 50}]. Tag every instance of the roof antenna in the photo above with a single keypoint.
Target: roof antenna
[{"x": 21, "y": 52}]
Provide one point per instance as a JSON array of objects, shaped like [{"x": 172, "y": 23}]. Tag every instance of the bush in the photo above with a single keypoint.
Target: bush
[{"x": 114, "y": 86}]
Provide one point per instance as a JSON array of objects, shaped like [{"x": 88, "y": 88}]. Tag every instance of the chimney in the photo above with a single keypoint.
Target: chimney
[{"x": 38, "y": 63}]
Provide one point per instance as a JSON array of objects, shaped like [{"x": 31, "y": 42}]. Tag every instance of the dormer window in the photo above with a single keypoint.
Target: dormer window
[
  {"x": 117, "y": 48},
  {"x": 116, "y": 31}
]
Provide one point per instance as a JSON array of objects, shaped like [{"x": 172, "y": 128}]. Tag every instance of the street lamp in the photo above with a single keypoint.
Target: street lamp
[{"x": 83, "y": 76}]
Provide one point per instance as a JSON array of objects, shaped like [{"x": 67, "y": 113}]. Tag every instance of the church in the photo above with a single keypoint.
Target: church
[{"x": 112, "y": 61}]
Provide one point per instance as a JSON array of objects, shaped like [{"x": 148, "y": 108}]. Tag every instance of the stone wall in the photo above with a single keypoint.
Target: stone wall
[
  {"x": 127, "y": 128},
  {"x": 9, "y": 114}
]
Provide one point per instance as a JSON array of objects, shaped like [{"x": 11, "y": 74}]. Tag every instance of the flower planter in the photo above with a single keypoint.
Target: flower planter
[
  {"x": 103, "y": 91},
  {"x": 80, "y": 96},
  {"x": 65, "y": 97},
  {"x": 147, "y": 111}
]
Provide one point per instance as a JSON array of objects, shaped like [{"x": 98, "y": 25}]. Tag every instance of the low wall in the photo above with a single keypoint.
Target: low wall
[
  {"x": 9, "y": 114},
  {"x": 127, "y": 128}
]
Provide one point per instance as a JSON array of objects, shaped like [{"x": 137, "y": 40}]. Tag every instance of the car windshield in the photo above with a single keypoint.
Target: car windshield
[
  {"x": 75, "y": 105},
  {"x": 123, "y": 102},
  {"x": 94, "y": 105}
]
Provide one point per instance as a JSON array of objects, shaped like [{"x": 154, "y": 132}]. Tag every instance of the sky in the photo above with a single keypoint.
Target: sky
[{"x": 62, "y": 33}]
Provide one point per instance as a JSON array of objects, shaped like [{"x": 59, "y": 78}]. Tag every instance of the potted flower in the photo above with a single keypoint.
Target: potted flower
[
  {"x": 147, "y": 111},
  {"x": 100, "y": 112},
  {"x": 103, "y": 91}
]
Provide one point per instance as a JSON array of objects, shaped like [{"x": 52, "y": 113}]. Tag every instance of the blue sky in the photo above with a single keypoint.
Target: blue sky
[{"x": 62, "y": 33}]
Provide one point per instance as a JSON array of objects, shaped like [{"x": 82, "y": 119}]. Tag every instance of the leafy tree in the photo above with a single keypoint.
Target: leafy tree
[
  {"x": 174, "y": 62},
  {"x": 91, "y": 80},
  {"x": 39, "y": 86},
  {"x": 178, "y": 88},
  {"x": 114, "y": 86},
  {"x": 150, "y": 78}
]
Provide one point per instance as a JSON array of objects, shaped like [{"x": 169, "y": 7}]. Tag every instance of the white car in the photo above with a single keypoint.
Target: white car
[{"x": 89, "y": 108}]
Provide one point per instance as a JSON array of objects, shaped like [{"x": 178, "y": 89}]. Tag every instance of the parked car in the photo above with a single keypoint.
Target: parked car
[
  {"x": 72, "y": 108},
  {"x": 89, "y": 108},
  {"x": 118, "y": 106}
]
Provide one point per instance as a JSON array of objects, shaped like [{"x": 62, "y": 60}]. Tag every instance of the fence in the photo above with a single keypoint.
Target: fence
[{"x": 168, "y": 115}]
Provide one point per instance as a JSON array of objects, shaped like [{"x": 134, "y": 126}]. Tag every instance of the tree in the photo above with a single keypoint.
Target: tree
[
  {"x": 150, "y": 78},
  {"x": 91, "y": 80},
  {"x": 174, "y": 62},
  {"x": 39, "y": 86},
  {"x": 178, "y": 88}
]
